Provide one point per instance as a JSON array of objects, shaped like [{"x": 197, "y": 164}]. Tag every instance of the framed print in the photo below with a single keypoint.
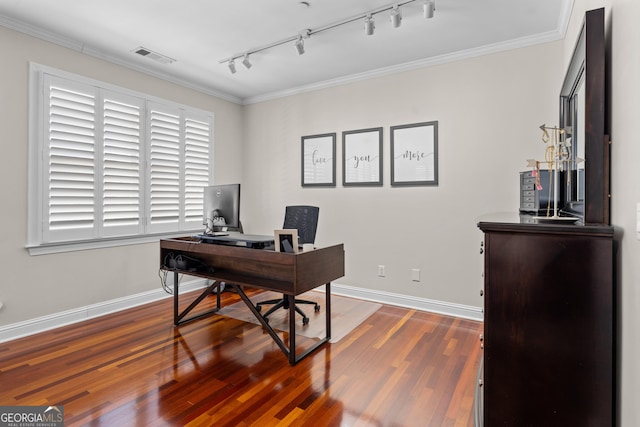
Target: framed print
[
  {"x": 362, "y": 157},
  {"x": 286, "y": 240},
  {"x": 319, "y": 160},
  {"x": 414, "y": 154}
]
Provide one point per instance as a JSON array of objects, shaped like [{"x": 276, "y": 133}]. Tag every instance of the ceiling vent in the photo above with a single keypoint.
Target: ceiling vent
[{"x": 148, "y": 53}]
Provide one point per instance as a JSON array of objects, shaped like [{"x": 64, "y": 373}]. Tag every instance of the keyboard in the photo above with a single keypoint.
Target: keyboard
[
  {"x": 215, "y": 234},
  {"x": 248, "y": 240}
]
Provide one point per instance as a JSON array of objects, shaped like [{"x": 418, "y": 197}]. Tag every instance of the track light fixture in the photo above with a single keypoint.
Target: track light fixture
[
  {"x": 300, "y": 45},
  {"x": 396, "y": 16},
  {"x": 246, "y": 62},
  {"x": 369, "y": 25},
  {"x": 369, "y": 28},
  {"x": 429, "y": 8},
  {"x": 232, "y": 66}
]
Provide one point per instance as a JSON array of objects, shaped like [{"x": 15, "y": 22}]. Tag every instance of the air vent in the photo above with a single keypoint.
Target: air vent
[{"x": 148, "y": 53}]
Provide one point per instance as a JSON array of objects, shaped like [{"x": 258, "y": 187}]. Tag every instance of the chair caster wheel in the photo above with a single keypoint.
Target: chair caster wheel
[
  {"x": 316, "y": 308},
  {"x": 305, "y": 320}
]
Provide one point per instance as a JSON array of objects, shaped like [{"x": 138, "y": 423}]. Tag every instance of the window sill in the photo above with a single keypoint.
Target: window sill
[{"x": 61, "y": 247}]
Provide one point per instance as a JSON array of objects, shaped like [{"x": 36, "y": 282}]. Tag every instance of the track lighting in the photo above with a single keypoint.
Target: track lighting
[
  {"x": 369, "y": 25},
  {"x": 428, "y": 8},
  {"x": 300, "y": 45},
  {"x": 396, "y": 16},
  {"x": 246, "y": 62},
  {"x": 232, "y": 66}
]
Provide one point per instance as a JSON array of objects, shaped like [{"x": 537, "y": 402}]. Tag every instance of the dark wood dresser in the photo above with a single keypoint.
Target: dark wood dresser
[{"x": 548, "y": 323}]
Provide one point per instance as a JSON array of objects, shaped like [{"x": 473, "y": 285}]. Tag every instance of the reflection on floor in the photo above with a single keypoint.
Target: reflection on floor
[{"x": 399, "y": 367}]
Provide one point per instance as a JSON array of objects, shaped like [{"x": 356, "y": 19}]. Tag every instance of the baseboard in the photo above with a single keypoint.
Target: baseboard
[
  {"x": 406, "y": 301},
  {"x": 56, "y": 320}
]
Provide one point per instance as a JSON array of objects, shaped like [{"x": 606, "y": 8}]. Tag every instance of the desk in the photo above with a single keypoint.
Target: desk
[{"x": 288, "y": 273}]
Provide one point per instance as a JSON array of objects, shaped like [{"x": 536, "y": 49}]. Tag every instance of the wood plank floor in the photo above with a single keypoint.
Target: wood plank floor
[{"x": 399, "y": 368}]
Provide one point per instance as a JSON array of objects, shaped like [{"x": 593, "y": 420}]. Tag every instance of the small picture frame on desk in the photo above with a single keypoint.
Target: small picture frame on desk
[{"x": 286, "y": 240}]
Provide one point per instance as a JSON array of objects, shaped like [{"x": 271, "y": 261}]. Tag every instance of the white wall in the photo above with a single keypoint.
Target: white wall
[
  {"x": 622, "y": 17},
  {"x": 621, "y": 21},
  {"x": 35, "y": 286},
  {"x": 488, "y": 108},
  {"x": 625, "y": 111}
]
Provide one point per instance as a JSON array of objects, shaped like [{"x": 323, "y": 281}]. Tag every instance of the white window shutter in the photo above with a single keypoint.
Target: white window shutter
[
  {"x": 121, "y": 185},
  {"x": 69, "y": 211},
  {"x": 111, "y": 163},
  {"x": 164, "y": 169},
  {"x": 197, "y": 167}
]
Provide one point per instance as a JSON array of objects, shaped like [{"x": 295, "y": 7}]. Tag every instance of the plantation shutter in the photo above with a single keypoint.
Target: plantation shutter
[
  {"x": 197, "y": 155},
  {"x": 69, "y": 187},
  {"x": 164, "y": 168},
  {"x": 122, "y": 194},
  {"x": 110, "y": 163}
]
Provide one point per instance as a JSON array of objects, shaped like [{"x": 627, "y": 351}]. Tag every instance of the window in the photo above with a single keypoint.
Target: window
[{"x": 108, "y": 163}]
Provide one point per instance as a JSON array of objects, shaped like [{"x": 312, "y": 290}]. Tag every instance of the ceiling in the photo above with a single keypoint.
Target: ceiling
[{"x": 198, "y": 34}]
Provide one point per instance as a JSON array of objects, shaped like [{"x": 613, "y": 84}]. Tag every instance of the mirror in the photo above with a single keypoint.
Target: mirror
[
  {"x": 582, "y": 115},
  {"x": 575, "y": 137},
  {"x": 578, "y": 148}
]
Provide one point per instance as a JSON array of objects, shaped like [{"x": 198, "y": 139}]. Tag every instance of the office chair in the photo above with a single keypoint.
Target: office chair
[{"x": 305, "y": 220}]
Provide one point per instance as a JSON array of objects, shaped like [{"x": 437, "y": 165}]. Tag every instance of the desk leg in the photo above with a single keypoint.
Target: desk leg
[
  {"x": 292, "y": 329},
  {"x": 327, "y": 309},
  {"x": 293, "y": 357},
  {"x": 263, "y": 322},
  {"x": 176, "y": 292},
  {"x": 178, "y": 318},
  {"x": 291, "y": 351}
]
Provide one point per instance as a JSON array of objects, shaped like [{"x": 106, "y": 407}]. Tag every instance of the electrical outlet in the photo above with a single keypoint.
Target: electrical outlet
[
  {"x": 381, "y": 271},
  {"x": 415, "y": 275}
]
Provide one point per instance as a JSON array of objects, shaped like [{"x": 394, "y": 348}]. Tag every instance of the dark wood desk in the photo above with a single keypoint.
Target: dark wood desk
[{"x": 288, "y": 273}]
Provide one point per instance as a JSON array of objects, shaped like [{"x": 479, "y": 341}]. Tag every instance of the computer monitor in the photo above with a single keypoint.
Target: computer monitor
[{"x": 221, "y": 207}]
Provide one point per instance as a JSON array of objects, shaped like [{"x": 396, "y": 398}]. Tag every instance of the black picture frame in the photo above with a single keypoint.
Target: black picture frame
[
  {"x": 414, "y": 154},
  {"x": 318, "y": 163},
  {"x": 362, "y": 157}
]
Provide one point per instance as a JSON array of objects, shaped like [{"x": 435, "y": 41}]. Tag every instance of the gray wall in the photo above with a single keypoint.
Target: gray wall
[
  {"x": 622, "y": 17},
  {"x": 488, "y": 111},
  {"x": 488, "y": 108},
  {"x": 36, "y": 286}
]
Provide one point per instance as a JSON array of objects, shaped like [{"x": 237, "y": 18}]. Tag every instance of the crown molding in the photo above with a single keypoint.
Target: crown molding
[
  {"x": 563, "y": 22},
  {"x": 77, "y": 46},
  {"x": 542, "y": 38},
  {"x": 566, "y": 9}
]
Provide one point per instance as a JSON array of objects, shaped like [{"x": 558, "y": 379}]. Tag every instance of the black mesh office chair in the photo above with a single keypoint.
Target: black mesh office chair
[{"x": 305, "y": 220}]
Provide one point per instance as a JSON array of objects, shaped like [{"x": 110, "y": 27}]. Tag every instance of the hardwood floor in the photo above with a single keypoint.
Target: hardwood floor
[{"x": 399, "y": 368}]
